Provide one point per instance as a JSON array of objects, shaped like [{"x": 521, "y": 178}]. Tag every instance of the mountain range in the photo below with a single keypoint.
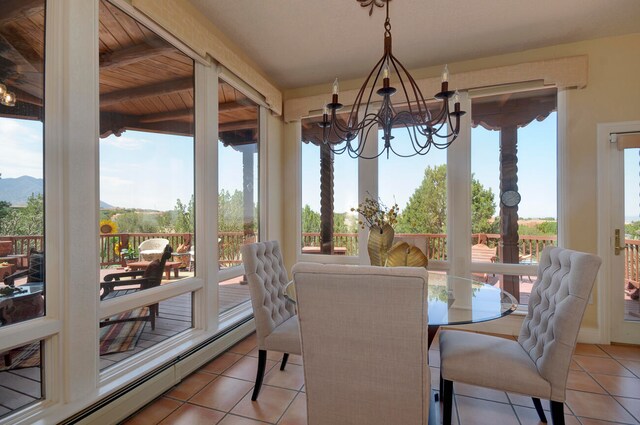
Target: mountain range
[{"x": 17, "y": 190}]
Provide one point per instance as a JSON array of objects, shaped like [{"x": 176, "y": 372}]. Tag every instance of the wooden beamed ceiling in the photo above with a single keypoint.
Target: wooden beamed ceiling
[{"x": 145, "y": 83}]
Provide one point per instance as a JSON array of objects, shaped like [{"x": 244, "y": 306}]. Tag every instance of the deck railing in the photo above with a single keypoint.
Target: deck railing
[{"x": 434, "y": 245}]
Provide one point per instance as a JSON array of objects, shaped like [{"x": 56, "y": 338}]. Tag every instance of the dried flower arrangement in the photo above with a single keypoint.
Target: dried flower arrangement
[{"x": 376, "y": 214}]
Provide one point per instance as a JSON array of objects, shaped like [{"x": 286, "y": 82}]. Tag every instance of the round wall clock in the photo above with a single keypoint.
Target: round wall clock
[{"x": 510, "y": 198}]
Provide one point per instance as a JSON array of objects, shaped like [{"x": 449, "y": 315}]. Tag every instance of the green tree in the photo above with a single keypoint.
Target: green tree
[
  {"x": 28, "y": 220},
  {"x": 310, "y": 220},
  {"x": 632, "y": 230},
  {"x": 482, "y": 209},
  {"x": 184, "y": 216},
  {"x": 426, "y": 211},
  {"x": 137, "y": 222},
  {"x": 230, "y": 211}
]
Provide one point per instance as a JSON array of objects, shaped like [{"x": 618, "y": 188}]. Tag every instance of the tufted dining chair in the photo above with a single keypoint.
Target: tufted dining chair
[
  {"x": 537, "y": 364},
  {"x": 275, "y": 316},
  {"x": 364, "y": 343}
]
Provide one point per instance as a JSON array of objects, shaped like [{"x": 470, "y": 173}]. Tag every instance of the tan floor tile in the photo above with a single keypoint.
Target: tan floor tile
[
  {"x": 481, "y": 412},
  {"x": 271, "y": 404},
  {"x": 574, "y": 366},
  {"x": 188, "y": 414},
  {"x": 222, "y": 394},
  {"x": 526, "y": 401},
  {"x": 190, "y": 386},
  {"x": 221, "y": 363},
  {"x": 529, "y": 416},
  {"x": 631, "y": 404},
  {"x": 292, "y": 377},
  {"x": 626, "y": 352},
  {"x": 480, "y": 392},
  {"x": 246, "y": 368},
  {"x": 620, "y": 385},
  {"x": 589, "y": 421},
  {"x": 295, "y": 359},
  {"x": 246, "y": 345},
  {"x": 590, "y": 350},
  {"x": 237, "y": 420},
  {"x": 597, "y": 406},
  {"x": 154, "y": 412},
  {"x": 633, "y": 366},
  {"x": 581, "y": 381},
  {"x": 296, "y": 414},
  {"x": 601, "y": 365}
]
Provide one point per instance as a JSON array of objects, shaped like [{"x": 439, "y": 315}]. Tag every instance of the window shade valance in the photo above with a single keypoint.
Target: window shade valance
[{"x": 562, "y": 73}]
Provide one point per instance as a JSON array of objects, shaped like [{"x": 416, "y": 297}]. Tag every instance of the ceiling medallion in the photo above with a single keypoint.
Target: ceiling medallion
[
  {"x": 371, "y": 3},
  {"x": 425, "y": 128}
]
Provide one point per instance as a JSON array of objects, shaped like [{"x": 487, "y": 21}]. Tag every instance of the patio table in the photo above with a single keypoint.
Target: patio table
[{"x": 168, "y": 266}]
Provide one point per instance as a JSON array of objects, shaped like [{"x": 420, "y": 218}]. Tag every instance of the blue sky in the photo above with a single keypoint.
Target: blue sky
[{"x": 152, "y": 171}]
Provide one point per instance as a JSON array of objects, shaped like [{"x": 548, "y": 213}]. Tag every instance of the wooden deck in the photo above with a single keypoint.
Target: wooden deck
[{"x": 21, "y": 387}]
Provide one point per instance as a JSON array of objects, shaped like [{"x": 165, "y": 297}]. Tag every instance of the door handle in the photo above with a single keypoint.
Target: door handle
[{"x": 617, "y": 247}]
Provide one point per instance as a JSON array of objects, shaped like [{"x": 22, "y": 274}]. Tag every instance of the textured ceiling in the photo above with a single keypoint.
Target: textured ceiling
[{"x": 304, "y": 42}]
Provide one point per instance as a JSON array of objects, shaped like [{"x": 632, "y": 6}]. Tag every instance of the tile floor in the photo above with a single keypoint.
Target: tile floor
[{"x": 603, "y": 388}]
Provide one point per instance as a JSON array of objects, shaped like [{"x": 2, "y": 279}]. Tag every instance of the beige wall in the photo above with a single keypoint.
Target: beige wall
[{"x": 612, "y": 94}]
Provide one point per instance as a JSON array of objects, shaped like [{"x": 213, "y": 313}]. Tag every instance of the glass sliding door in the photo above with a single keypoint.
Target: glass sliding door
[{"x": 22, "y": 202}]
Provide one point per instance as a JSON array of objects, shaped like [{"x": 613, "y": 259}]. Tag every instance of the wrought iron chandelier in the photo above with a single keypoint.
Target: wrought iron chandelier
[{"x": 424, "y": 128}]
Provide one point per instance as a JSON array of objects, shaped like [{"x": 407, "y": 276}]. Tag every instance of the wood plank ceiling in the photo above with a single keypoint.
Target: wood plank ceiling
[{"x": 145, "y": 83}]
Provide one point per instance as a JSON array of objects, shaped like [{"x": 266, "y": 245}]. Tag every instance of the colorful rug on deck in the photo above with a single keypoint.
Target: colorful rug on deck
[
  {"x": 114, "y": 338},
  {"x": 122, "y": 336}
]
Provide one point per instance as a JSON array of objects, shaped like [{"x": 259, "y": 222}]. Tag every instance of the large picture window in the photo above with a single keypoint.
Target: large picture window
[
  {"x": 22, "y": 202},
  {"x": 514, "y": 183},
  {"x": 147, "y": 202}
]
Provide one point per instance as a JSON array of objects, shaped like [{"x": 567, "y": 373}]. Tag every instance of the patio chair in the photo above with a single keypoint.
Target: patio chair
[
  {"x": 364, "y": 343},
  {"x": 133, "y": 281},
  {"x": 152, "y": 249},
  {"x": 275, "y": 315},
  {"x": 34, "y": 272},
  {"x": 537, "y": 364}
]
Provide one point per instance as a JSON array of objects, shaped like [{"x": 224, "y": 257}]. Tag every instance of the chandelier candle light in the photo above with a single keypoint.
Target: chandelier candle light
[
  {"x": 424, "y": 129},
  {"x": 7, "y": 98}
]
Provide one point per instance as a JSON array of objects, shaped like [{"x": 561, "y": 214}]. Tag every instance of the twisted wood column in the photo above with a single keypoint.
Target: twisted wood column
[
  {"x": 509, "y": 215},
  {"x": 326, "y": 200}
]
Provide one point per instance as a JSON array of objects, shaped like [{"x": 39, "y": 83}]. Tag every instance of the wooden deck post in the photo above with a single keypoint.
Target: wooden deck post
[
  {"x": 509, "y": 253},
  {"x": 326, "y": 200}
]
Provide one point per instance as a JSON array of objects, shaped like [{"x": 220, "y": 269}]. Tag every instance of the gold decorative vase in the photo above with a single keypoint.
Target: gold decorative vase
[{"x": 380, "y": 240}]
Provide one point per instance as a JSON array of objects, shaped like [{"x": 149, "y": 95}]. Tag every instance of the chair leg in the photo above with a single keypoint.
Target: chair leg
[
  {"x": 284, "y": 361},
  {"x": 262, "y": 364},
  {"x": 447, "y": 398},
  {"x": 557, "y": 412},
  {"x": 538, "y": 406},
  {"x": 153, "y": 312}
]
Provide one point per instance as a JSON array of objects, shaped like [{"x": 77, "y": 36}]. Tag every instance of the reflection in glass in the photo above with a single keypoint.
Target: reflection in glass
[
  {"x": 22, "y": 278},
  {"x": 238, "y": 172},
  {"x": 21, "y": 375},
  {"x": 130, "y": 332},
  {"x": 146, "y": 151}
]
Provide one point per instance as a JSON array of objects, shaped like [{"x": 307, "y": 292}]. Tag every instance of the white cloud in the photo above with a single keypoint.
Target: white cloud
[{"x": 20, "y": 148}]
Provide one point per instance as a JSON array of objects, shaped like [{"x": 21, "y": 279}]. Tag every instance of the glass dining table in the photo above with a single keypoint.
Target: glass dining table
[{"x": 457, "y": 300}]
